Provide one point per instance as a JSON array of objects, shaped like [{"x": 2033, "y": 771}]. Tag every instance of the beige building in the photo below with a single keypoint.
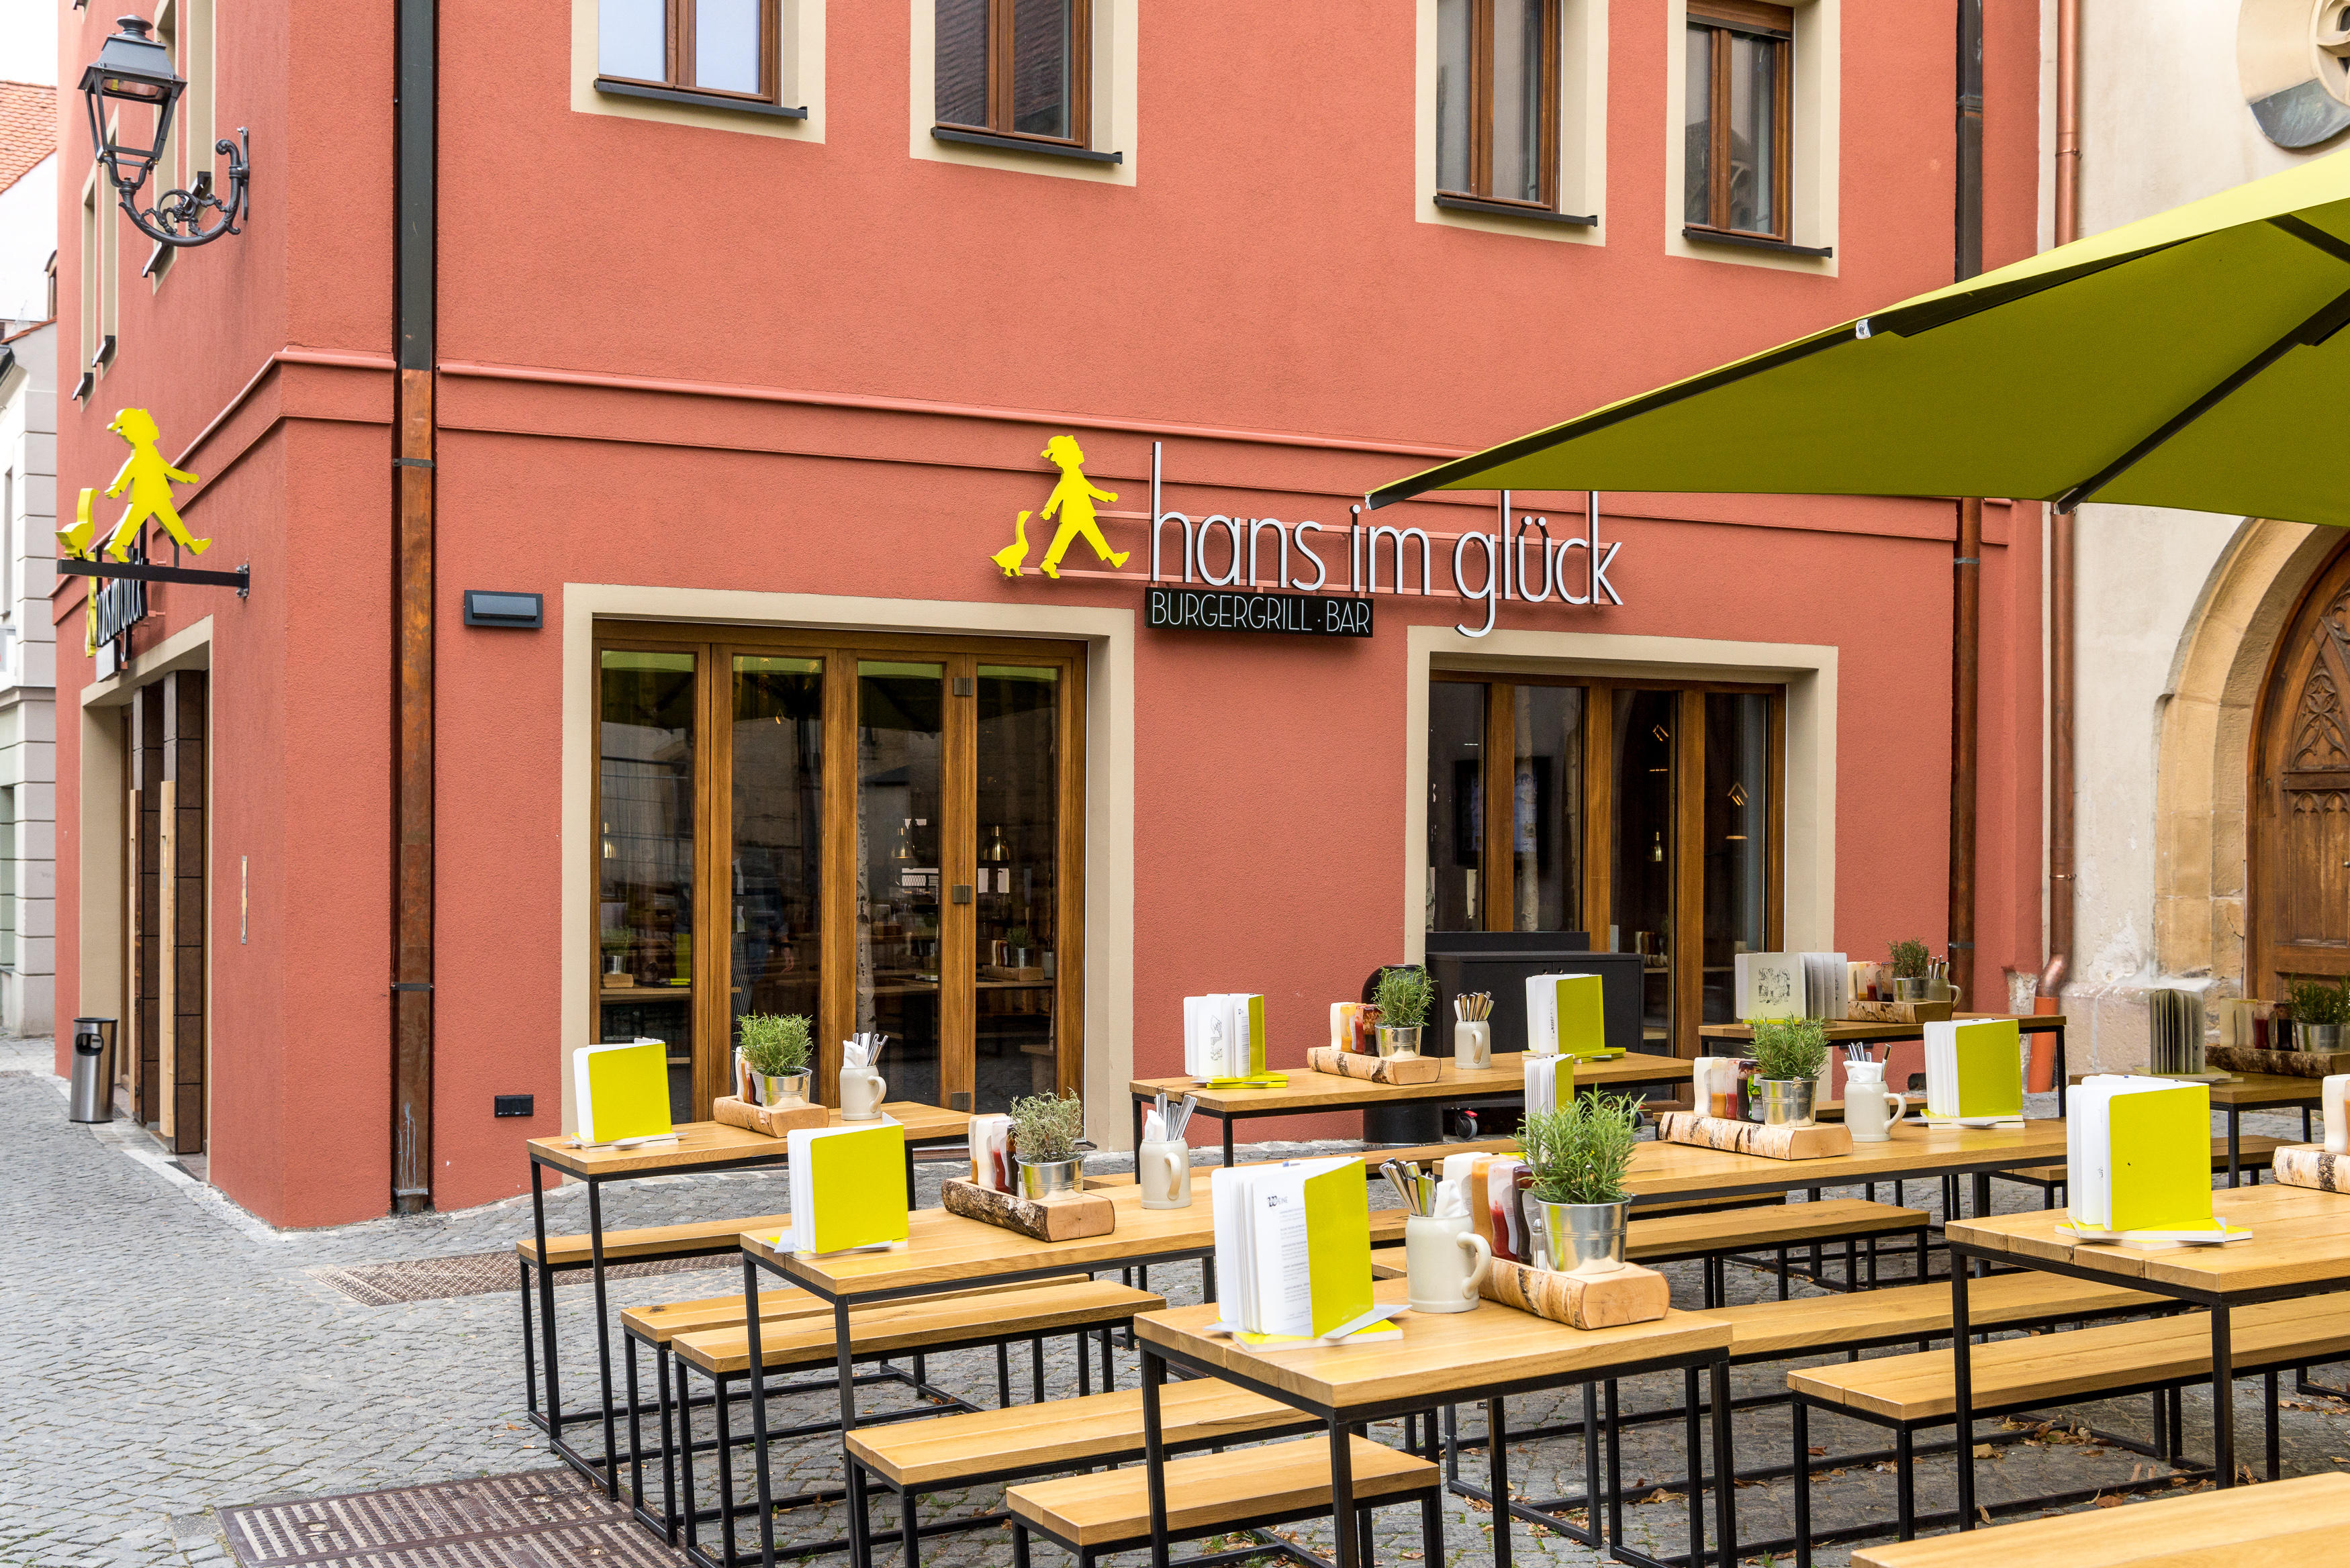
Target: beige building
[{"x": 2213, "y": 728}]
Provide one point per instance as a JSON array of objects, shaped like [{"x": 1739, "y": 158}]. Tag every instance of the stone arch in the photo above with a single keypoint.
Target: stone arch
[{"x": 2203, "y": 750}]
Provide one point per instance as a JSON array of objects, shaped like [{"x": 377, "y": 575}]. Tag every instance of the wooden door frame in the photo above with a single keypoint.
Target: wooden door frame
[
  {"x": 2272, "y": 715},
  {"x": 714, "y": 648}
]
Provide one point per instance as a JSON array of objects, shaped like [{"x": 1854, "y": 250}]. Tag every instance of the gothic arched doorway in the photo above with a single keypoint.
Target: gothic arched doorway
[{"x": 2300, "y": 846}]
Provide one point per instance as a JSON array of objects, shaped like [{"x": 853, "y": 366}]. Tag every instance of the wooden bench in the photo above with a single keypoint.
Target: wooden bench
[
  {"x": 2299, "y": 1521},
  {"x": 1212, "y": 1494},
  {"x": 916, "y": 1326},
  {"x": 2253, "y": 1150},
  {"x": 1898, "y": 1314},
  {"x": 948, "y": 1452},
  {"x": 1905, "y": 1393}
]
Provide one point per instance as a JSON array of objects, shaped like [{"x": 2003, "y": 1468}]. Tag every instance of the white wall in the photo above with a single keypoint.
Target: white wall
[
  {"x": 28, "y": 41},
  {"x": 28, "y": 233},
  {"x": 28, "y": 674},
  {"x": 2163, "y": 122}
]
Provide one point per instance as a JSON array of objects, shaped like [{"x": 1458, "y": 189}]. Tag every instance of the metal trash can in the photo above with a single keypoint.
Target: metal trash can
[{"x": 92, "y": 1098}]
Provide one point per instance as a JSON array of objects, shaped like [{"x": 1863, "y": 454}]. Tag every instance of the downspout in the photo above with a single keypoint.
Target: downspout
[
  {"x": 2061, "y": 541},
  {"x": 1966, "y": 561},
  {"x": 415, "y": 134}
]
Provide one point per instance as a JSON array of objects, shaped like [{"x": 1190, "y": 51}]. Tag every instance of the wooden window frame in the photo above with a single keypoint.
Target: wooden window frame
[
  {"x": 678, "y": 46},
  {"x": 1481, "y": 112},
  {"x": 1496, "y": 890},
  {"x": 1000, "y": 16},
  {"x": 1774, "y": 24},
  {"x": 712, "y": 993}
]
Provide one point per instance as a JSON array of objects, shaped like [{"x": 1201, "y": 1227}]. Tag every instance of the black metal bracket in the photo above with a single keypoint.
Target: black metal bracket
[{"x": 241, "y": 579}]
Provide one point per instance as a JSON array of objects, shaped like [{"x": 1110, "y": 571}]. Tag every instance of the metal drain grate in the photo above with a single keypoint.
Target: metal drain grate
[
  {"x": 543, "y": 1519},
  {"x": 475, "y": 1275}
]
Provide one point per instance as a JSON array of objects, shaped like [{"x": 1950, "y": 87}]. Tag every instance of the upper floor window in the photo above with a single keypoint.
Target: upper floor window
[
  {"x": 1497, "y": 99},
  {"x": 1016, "y": 68},
  {"x": 728, "y": 47},
  {"x": 1739, "y": 113}
]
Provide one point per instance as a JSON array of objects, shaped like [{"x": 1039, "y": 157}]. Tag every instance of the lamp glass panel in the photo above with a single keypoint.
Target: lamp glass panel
[
  {"x": 632, "y": 39},
  {"x": 726, "y": 45}
]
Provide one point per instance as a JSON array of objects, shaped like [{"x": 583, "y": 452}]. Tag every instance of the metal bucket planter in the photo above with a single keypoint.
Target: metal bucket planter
[
  {"x": 1585, "y": 1238},
  {"x": 1049, "y": 1178},
  {"x": 778, "y": 1090},
  {"x": 1399, "y": 1040},
  {"x": 1786, "y": 1102}
]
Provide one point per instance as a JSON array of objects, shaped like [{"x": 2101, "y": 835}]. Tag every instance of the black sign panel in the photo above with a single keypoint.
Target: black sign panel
[
  {"x": 121, "y": 605},
  {"x": 1210, "y": 610}
]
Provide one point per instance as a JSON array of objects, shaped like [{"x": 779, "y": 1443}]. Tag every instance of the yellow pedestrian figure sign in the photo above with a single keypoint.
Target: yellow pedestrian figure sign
[
  {"x": 1072, "y": 503},
  {"x": 150, "y": 480}
]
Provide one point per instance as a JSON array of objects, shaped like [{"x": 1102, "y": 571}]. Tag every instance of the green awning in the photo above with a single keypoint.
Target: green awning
[{"x": 2188, "y": 361}]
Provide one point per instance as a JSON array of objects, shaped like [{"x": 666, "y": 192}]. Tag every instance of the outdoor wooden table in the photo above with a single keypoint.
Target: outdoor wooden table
[
  {"x": 945, "y": 1251},
  {"x": 1491, "y": 1353},
  {"x": 1503, "y": 1083},
  {"x": 2261, "y": 1092},
  {"x": 2300, "y": 1246},
  {"x": 1851, "y": 1033},
  {"x": 699, "y": 1147}
]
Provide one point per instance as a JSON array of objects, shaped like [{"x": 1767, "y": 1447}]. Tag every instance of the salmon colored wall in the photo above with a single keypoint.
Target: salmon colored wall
[{"x": 1265, "y": 274}]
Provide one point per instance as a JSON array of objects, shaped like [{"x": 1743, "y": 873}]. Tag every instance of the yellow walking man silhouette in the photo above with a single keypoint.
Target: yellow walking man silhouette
[
  {"x": 1073, "y": 497},
  {"x": 149, "y": 479}
]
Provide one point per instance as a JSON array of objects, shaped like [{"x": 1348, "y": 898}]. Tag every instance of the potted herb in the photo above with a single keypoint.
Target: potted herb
[
  {"x": 1046, "y": 1132},
  {"x": 1788, "y": 1055},
  {"x": 1909, "y": 966},
  {"x": 1577, "y": 1157},
  {"x": 1016, "y": 939},
  {"x": 1403, "y": 996},
  {"x": 2319, "y": 1012},
  {"x": 773, "y": 1058}
]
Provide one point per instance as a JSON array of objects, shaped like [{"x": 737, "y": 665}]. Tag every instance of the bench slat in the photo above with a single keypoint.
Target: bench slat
[
  {"x": 2298, "y": 1521},
  {"x": 1205, "y": 1490},
  {"x": 923, "y": 1324},
  {"x": 660, "y": 1323},
  {"x": 1098, "y": 1429},
  {"x": 679, "y": 1240},
  {"x": 1785, "y": 1225},
  {"x": 1918, "y": 1312},
  {"x": 2057, "y": 1368}
]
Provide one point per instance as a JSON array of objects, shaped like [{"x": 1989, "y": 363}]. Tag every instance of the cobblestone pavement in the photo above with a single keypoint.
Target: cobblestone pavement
[{"x": 168, "y": 1355}]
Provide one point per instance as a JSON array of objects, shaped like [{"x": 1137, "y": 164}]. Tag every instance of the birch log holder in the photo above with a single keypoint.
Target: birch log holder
[
  {"x": 1374, "y": 1069},
  {"x": 1064, "y": 1217},
  {"x": 775, "y": 1122},
  {"x": 1819, "y": 1141},
  {"x": 1629, "y": 1294}
]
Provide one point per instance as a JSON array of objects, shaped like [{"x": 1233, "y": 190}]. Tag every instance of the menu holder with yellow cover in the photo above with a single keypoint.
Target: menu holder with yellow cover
[
  {"x": 2138, "y": 1162},
  {"x": 1566, "y": 1015},
  {"x": 1974, "y": 1071},
  {"x": 849, "y": 1186},
  {"x": 621, "y": 1093},
  {"x": 1293, "y": 1254}
]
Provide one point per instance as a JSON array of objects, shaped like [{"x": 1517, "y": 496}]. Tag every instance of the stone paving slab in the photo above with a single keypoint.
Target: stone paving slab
[{"x": 166, "y": 1356}]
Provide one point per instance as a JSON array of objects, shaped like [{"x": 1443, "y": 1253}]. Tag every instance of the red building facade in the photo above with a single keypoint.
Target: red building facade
[{"x": 753, "y": 399}]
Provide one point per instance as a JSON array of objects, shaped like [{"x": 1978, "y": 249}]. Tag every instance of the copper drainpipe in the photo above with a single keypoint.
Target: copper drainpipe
[
  {"x": 2061, "y": 539},
  {"x": 1966, "y": 560}
]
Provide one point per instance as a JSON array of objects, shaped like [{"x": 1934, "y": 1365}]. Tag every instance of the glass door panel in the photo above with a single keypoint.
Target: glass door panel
[
  {"x": 1456, "y": 805},
  {"x": 1546, "y": 893},
  {"x": 1737, "y": 837},
  {"x": 900, "y": 779},
  {"x": 1017, "y": 1047},
  {"x": 776, "y": 862},
  {"x": 645, "y": 889},
  {"x": 1641, "y": 875}
]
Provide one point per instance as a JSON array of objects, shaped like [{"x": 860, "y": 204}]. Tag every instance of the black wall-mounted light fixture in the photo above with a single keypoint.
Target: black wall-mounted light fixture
[
  {"x": 522, "y": 612},
  {"x": 133, "y": 72}
]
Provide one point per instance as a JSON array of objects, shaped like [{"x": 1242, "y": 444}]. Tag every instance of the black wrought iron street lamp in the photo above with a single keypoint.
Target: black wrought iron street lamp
[{"x": 133, "y": 72}]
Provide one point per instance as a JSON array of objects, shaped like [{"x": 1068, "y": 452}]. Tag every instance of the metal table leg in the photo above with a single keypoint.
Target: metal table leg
[
  {"x": 758, "y": 1372},
  {"x": 603, "y": 1333},
  {"x": 545, "y": 1304},
  {"x": 2060, "y": 1070},
  {"x": 1154, "y": 1453},
  {"x": 1962, "y": 1361},
  {"x": 2223, "y": 1397},
  {"x": 1497, "y": 1456},
  {"x": 1345, "y": 1552},
  {"x": 2235, "y": 1152},
  {"x": 1725, "y": 1477}
]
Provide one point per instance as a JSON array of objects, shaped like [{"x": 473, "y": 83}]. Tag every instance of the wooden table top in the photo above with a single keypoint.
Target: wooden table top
[
  {"x": 715, "y": 1143},
  {"x": 1685, "y": 1170},
  {"x": 1440, "y": 1354},
  {"x": 1312, "y": 1091},
  {"x": 2032, "y": 1023},
  {"x": 2299, "y": 1237},
  {"x": 2250, "y": 1091},
  {"x": 946, "y": 1250},
  {"x": 2297, "y": 1521}
]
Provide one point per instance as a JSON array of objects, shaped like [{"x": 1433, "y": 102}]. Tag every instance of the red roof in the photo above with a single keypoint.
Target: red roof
[{"x": 29, "y": 127}]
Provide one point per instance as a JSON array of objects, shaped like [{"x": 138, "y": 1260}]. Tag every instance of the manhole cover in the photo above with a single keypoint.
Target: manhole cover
[
  {"x": 475, "y": 1274},
  {"x": 543, "y": 1519}
]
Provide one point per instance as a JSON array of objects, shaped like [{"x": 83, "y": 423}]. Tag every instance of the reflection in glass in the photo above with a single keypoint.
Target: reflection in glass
[
  {"x": 1696, "y": 158},
  {"x": 1518, "y": 87},
  {"x": 1039, "y": 68},
  {"x": 1642, "y": 870},
  {"x": 1547, "y": 811},
  {"x": 1456, "y": 805},
  {"x": 901, "y": 717},
  {"x": 1019, "y": 817},
  {"x": 1737, "y": 815},
  {"x": 632, "y": 39},
  {"x": 962, "y": 69},
  {"x": 1754, "y": 133},
  {"x": 645, "y": 893},
  {"x": 1455, "y": 52},
  {"x": 777, "y": 856},
  {"x": 726, "y": 45}
]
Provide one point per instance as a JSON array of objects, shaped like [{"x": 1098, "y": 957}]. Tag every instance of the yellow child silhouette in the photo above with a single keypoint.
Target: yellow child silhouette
[
  {"x": 149, "y": 479},
  {"x": 1073, "y": 497}
]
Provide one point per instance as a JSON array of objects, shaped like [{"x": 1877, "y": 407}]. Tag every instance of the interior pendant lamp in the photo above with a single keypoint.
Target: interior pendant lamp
[{"x": 133, "y": 74}]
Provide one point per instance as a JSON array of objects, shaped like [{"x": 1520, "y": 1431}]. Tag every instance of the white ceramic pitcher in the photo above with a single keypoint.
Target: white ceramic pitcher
[{"x": 1870, "y": 1108}]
